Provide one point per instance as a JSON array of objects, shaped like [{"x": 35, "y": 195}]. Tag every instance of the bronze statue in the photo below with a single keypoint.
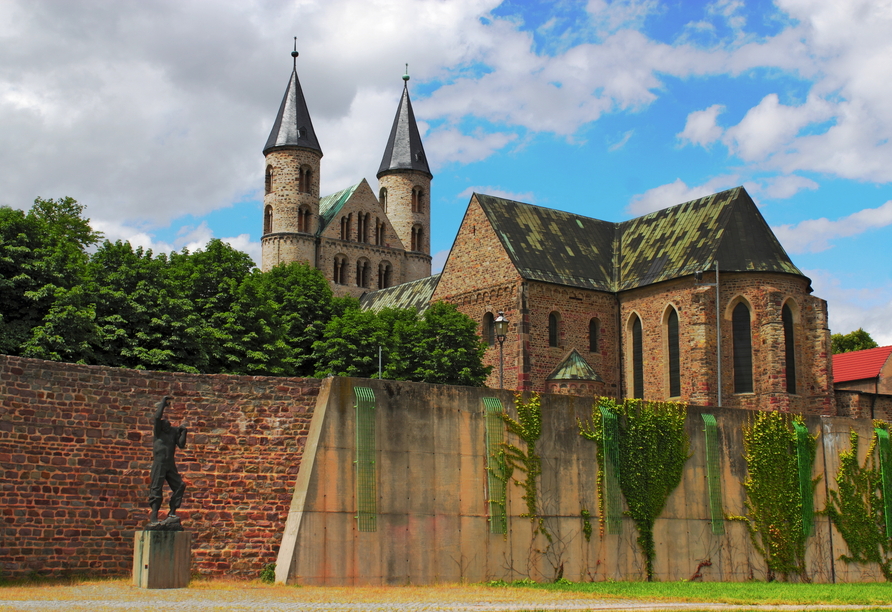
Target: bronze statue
[{"x": 164, "y": 469}]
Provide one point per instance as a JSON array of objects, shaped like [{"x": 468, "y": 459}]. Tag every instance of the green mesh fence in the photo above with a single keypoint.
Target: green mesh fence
[
  {"x": 366, "y": 489},
  {"x": 805, "y": 484},
  {"x": 612, "y": 503},
  {"x": 495, "y": 464},
  {"x": 886, "y": 476},
  {"x": 713, "y": 475}
]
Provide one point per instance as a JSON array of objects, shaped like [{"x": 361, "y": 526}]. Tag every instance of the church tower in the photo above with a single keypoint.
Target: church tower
[
  {"x": 291, "y": 188},
  {"x": 405, "y": 180}
]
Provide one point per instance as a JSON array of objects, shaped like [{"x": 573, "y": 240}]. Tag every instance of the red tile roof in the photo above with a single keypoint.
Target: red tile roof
[{"x": 859, "y": 365}]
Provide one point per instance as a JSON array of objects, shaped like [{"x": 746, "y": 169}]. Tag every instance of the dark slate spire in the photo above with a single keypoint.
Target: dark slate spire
[
  {"x": 293, "y": 126},
  {"x": 404, "y": 149}
]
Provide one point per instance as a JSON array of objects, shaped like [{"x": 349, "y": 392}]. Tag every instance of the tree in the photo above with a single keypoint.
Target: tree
[{"x": 857, "y": 340}]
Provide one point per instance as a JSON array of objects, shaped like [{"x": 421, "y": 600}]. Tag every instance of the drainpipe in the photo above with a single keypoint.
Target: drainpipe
[{"x": 718, "y": 333}]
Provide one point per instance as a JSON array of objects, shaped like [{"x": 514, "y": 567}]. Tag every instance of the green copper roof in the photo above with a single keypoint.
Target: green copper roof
[
  {"x": 415, "y": 294},
  {"x": 560, "y": 247},
  {"x": 330, "y": 205},
  {"x": 574, "y": 367}
]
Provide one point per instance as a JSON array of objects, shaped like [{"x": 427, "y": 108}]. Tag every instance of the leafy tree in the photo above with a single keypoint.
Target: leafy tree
[
  {"x": 857, "y": 340},
  {"x": 349, "y": 345}
]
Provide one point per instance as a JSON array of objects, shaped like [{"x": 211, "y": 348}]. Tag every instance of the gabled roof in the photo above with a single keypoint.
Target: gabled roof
[
  {"x": 574, "y": 367},
  {"x": 404, "y": 150},
  {"x": 331, "y": 205},
  {"x": 569, "y": 249},
  {"x": 414, "y": 294},
  {"x": 860, "y": 365},
  {"x": 293, "y": 126}
]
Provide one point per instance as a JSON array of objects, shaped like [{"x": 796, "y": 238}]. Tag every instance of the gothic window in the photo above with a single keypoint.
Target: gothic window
[
  {"x": 362, "y": 273},
  {"x": 789, "y": 349},
  {"x": 554, "y": 329},
  {"x": 594, "y": 335},
  {"x": 673, "y": 353},
  {"x": 268, "y": 182},
  {"x": 637, "y": 357},
  {"x": 384, "y": 275},
  {"x": 489, "y": 335},
  {"x": 382, "y": 198},
  {"x": 268, "y": 220},
  {"x": 743, "y": 349}
]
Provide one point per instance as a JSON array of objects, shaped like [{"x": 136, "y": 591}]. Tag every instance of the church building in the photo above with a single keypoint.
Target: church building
[{"x": 695, "y": 303}]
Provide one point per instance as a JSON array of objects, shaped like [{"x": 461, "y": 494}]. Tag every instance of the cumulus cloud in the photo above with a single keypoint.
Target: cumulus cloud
[
  {"x": 498, "y": 192},
  {"x": 815, "y": 235},
  {"x": 438, "y": 261},
  {"x": 451, "y": 145},
  {"x": 674, "y": 193},
  {"x": 783, "y": 187},
  {"x": 701, "y": 128},
  {"x": 850, "y": 307},
  {"x": 621, "y": 142}
]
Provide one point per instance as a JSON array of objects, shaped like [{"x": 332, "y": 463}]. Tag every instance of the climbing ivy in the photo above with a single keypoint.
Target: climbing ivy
[
  {"x": 653, "y": 448},
  {"x": 857, "y": 509},
  {"x": 774, "y": 500},
  {"x": 527, "y": 427},
  {"x": 586, "y": 524}
]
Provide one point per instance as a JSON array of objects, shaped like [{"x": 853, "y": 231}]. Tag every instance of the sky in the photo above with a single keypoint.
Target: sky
[{"x": 154, "y": 114}]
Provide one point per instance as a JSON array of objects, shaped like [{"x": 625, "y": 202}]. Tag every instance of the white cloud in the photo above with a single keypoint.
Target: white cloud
[
  {"x": 438, "y": 261},
  {"x": 674, "y": 193},
  {"x": 850, "y": 308},
  {"x": 526, "y": 197},
  {"x": 451, "y": 145},
  {"x": 783, "y": 187},
  {"x": 701, "y": 128},
  {"x": 815, "y": 235},
  {"x": 621, "y": 142}
]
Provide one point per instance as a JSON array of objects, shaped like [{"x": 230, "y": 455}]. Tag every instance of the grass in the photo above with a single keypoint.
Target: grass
[{"x": 741, "y": 593}]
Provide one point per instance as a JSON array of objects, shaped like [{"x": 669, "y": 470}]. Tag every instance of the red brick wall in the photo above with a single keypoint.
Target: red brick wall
[{"x": 75, "y": 453}]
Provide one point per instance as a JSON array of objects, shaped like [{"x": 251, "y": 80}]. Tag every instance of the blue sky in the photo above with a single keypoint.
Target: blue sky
[{"x": 154, "y": 114}]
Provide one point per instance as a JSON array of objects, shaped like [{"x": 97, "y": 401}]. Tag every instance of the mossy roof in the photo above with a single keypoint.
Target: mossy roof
[
  {"x": 414, "y": 294},
  {"x": 565, "y": 248},
  {"x": 574, "y": 367}
]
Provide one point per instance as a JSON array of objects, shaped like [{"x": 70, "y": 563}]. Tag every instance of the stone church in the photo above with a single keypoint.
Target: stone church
[{"x": 697, "y": 302}]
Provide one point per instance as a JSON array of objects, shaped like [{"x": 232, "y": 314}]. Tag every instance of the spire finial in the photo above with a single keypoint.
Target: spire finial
[
  {"x": 406, "y": 76},
  {"x": 294, "y": 53}
]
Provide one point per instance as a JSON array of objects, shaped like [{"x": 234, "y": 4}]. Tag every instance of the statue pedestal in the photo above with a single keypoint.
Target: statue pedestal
[{"x": 162, "y": 559}]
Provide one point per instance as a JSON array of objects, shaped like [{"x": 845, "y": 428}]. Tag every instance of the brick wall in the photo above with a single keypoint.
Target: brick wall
[
  {"x": 75, "y": 452},
  {"x": 863, "y": 405}
]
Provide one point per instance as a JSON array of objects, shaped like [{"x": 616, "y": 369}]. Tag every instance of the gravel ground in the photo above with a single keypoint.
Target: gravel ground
[{"x": 119, "y": 595}]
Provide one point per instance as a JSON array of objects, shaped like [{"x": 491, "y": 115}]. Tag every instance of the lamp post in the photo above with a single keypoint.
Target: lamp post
[
  {"x": 698, "y": 276},
  {"x": 500, "y": 326}
]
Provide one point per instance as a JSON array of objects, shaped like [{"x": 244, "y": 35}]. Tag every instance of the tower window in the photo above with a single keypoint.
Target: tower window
[
  {"x": 303, "y": 219},
  {"x": 554, "y": 329},
  {"x": 743, "y": 349},
  {"x": 489, "y": 335},
  {"x": 417, "y": 200},
  {"x": 268, "y": 181},
  {"x": 305, "y": 179},
  {"x": 382, "y": 198},
  {"x": 789, "y": 349},
  {"x": 268, "y": 219},
  {"x": 637, "y": 358},
  {"x": 674, "y": 353},
  {"x": 594, "y": 335},
  {"x": 417, "y": 238}
]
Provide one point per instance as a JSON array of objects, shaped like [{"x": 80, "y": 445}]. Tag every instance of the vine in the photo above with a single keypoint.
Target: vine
[
  {"x": 527, "y": 427},
  {"x": 653, "y": 448},
  {"x": 586, "y": 524},
  {"x": 857, "y": 508},
  {"x": 774, "y": 500}
]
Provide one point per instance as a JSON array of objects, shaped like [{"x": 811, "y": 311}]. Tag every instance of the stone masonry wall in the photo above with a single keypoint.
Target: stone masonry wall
[{"x": 75, "y": 453}]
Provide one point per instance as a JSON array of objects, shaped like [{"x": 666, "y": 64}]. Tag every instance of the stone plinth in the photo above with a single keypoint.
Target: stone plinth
[{"x": 162, "y": 559}]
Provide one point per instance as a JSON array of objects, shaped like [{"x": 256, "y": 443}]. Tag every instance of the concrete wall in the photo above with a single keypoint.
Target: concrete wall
[{"x": 432, "y": 501}]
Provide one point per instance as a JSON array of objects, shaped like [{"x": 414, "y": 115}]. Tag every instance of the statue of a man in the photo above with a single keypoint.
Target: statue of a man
[{"x": 164, "y": 468}]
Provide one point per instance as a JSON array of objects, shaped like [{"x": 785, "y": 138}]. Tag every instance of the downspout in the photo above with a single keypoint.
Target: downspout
[
  {"x": 827, "y": 496},
  {"x": 619, "y": 348}
]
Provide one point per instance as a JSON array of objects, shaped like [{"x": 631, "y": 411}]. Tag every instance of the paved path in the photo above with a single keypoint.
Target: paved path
[{"x": 116, "y": 596}]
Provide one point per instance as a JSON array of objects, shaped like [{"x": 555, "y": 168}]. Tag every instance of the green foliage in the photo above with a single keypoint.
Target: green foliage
[
  {"x": 586, "y": 524},
  {"x": 653, "y": 448},
  {"x": 857, "y": 340},
  {"x": 527, "y": 427},
  {"x": 268, "y": 573},
  {"x": 774, "y": 500},
  {"x": 857, "y": 508}
]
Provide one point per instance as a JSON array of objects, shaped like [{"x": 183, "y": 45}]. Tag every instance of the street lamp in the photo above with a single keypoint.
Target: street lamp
[{"x": 500, "y": 326}]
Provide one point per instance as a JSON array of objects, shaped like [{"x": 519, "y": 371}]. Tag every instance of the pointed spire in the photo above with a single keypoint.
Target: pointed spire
[
  {"x": 404, "y": 149},
  {"x": 293, "y": 126}
]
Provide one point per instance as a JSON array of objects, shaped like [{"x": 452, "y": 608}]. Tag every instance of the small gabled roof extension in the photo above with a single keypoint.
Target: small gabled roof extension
[
  {"x": 404, "y": 150},
  {"x": 574, "y": 367},
  {"x": 860, "y": 365},
  {"x": 560, "y": 247},
  {"x": 293, "y": 126}
]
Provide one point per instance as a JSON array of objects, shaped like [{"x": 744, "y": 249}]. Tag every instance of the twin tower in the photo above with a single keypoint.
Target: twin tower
[{"x": 359, "y": 240}]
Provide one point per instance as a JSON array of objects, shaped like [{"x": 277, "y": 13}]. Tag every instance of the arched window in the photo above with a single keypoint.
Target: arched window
[
  {"x": 362, "y": 273},
  {"x": 673, "y": 353},
  {"x": 304, "y": 179},
  {"x": 268, "y": 219},
  {"x": 489, "y": 335},
  {"x": 379, "y": 232},
  {"x": 637, "y": 357},
  {"x": 340, "y": 270},
  {"x": 344, "y": 232},
  {"x": 382, "y": 198},
  {"x": 554, "y": 329},
  {"x": 417, "y": 200},
  {"x": 364, "y": 224},
  {"x": 594, "y": 335},
  {"x": 268, "y": 182},
  {"x": 743, "y": 349},
  {"x": 417, "y": 238},
  {"x": 789, "y": 349},
  {"x": 384, "y": 275},
  {"x": 303, "y": 219}
]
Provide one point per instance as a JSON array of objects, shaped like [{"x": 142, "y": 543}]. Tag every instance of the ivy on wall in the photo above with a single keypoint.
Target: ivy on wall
[
  {"x": 527, "y": 427},
  {"x": 778, "y": 517},
  {"x": 858, "y": 506},
  {"x": 653, "y": 448}
]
